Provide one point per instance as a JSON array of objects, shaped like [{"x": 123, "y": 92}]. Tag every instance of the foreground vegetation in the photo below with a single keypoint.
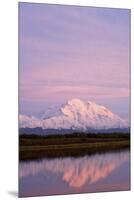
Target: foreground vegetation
[{"x": 77, "y": 144}]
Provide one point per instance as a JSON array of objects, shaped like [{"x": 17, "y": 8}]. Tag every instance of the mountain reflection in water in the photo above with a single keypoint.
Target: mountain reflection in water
[{"x": 75, "y": 172}]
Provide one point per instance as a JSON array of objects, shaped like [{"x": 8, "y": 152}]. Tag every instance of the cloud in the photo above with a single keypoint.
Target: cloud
[{"x": 58, "y": 92}]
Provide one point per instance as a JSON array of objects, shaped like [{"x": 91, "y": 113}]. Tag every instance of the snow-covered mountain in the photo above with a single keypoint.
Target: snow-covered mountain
[{"x": 75, "y": 115}]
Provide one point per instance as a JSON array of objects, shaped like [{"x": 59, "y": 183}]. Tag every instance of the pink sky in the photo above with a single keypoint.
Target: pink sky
[{"x": 73, "y": 52}]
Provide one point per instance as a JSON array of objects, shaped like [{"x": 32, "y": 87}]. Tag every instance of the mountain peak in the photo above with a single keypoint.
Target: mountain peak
[
  {"x": 85, "y": 107},
  {"x": 79, "y": 115},
  {"x": 78, "y": 102},
  {"x": 75, "y": 102}
]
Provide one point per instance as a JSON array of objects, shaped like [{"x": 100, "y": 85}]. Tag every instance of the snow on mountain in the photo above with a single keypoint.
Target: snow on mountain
[
  {"x": 50, "y": 112},
  {"x": 76, "y": 115},
  {"x": 27, "y": 121}
]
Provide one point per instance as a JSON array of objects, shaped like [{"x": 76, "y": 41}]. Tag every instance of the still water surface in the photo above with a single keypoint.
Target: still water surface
[{"x": 94, "y": 173}]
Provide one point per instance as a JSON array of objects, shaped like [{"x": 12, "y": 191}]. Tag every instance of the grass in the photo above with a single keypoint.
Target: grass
[{"x": 33, "y": 147}]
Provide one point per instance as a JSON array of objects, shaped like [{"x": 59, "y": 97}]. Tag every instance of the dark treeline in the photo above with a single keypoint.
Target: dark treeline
[
  {"x": 78, "y": 134},
  {"x": 75, "y": 144}
]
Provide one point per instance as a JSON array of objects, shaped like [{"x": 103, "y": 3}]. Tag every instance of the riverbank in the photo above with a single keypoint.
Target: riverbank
[{"x": 78, "y": 144}]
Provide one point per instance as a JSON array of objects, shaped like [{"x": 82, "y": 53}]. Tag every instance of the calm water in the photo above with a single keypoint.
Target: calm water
[{"x": 95, "y": 173}]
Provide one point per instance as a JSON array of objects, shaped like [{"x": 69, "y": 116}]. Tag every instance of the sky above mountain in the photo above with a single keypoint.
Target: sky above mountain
[{"x": 73, "y": 52}]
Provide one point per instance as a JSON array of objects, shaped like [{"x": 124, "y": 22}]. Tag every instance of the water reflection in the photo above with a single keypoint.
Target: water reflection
[{"x": 75, "y": 172}]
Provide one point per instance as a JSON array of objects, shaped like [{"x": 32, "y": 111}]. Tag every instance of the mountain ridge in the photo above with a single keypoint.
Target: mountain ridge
[{"x": 76, "y": 115}]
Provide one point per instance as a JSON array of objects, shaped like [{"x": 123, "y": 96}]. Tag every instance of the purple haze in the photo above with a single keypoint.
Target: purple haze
[{"x": 73, "y": 52}]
